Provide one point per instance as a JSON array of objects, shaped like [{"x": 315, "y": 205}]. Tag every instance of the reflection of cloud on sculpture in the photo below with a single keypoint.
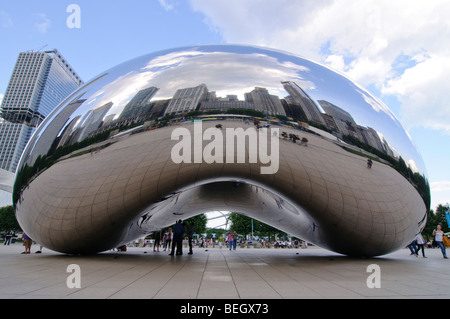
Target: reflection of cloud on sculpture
[
  {"x": 119, "y": 92},
  {"x": 413, "y": 166},
  {"x": 240, "y": 73},
  {"x": 377, "y": 105}
]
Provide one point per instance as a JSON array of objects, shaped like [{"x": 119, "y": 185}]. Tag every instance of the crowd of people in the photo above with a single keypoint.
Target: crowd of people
[
  {"x": 440, "y": 240},
  {"x": 166, "y": 240},
  {"x": 172, "y": 240}
]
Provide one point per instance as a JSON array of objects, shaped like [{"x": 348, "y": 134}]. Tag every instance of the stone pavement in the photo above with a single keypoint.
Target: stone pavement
[{"x": 221, "y": 274}]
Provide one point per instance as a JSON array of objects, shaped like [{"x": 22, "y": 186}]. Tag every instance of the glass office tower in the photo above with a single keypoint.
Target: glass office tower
[{"x": 39, "y": 82}]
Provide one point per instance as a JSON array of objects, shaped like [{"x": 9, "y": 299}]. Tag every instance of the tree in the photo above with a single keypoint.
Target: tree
[
  {"x": 199, "y": 222},
  {"x": 269, "y": 231},
  {"x": 243, "y": 225},
  {"x": 8, "y": 219},
  {"x": 441, "y": 219},
  {"x": 434, "y": 219},
  {"x": 240, "y": 224}
]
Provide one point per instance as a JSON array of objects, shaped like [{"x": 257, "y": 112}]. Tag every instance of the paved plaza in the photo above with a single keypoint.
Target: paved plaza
[{"x": 247, "y": 273}]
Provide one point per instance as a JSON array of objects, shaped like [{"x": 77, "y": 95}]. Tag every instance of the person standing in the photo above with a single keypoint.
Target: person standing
[
  {"x": 439, "y": 235},
  {"x": 8, "y": 237},
  {"x": 235, "y": 238},
  {"x": 178, "y": 232},
  {"x": 168, "y": 239},
  {"x": 157, "y": 241},
  {"x": 220, "y": 241},
  {"x": 190, "y": 233},
  {"x": 164, "y": 240},
  {"x": 27, "y": 242}
]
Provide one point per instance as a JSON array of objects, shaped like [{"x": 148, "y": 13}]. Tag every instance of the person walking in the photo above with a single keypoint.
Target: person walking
[
  {"x": 412, "y": 247},
  {"x": 230, "y": 240},
  {"x": 420, "y": 242},
  {"x": 439, "y": 235},
  {"x": 235, "y": 238}
]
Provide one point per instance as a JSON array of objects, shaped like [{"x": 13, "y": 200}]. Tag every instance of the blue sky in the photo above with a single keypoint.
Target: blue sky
[{"x": 398, "y": 50}]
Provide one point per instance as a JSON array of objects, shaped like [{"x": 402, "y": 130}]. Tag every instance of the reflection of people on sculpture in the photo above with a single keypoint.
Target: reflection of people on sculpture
[
  {"x": 304, "y": 141},
  {"x": 122, "y": 248},
  {"x": 369, "y": 163}
]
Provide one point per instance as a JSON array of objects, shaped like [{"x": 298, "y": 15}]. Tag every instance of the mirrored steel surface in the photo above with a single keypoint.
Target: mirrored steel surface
[{"x": 100, "y": 170}]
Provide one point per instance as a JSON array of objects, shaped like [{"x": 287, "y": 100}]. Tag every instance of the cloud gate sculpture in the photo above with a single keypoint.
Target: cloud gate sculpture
[{"x": 181, "y": 132}]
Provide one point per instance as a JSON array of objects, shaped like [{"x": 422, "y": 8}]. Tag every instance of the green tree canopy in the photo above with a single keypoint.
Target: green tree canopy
[
  {"x": 434, "y": 219},
  {"x": 243, "y": 226},
  {"x": 199, "y": 223},
  {"x": 8, "y": 219}
]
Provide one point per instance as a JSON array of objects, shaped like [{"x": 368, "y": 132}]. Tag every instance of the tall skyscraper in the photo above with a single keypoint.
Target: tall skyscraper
[
  {"x": 310, "y": 109},
  {"x": 139, "y": 104},
  {"x": 265, "y": 102},
  {"x": 39, "y": 82},
  {"x": 186, "y": 100}
]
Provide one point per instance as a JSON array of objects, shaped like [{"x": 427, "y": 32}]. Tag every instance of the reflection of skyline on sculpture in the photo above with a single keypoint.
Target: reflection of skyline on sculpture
[
  {"x": 297, "y": 105},
  {"x": 241, "y": 74}
]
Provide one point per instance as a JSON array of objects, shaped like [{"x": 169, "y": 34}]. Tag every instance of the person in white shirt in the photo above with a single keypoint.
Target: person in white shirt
[
  {"x": 420, "y": 242},
  {"x": 439, "y": 234}
]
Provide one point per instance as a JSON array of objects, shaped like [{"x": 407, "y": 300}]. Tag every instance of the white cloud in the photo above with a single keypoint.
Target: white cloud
[
  {"x": 166, "y": 4},
  {"x": 440, "y": 193},
  {"x": 401, "y": 47},
  {"x": 441, "y": 186},
  {"x": 423, "y": 92},
  {"x": 44, "y": 23}
]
